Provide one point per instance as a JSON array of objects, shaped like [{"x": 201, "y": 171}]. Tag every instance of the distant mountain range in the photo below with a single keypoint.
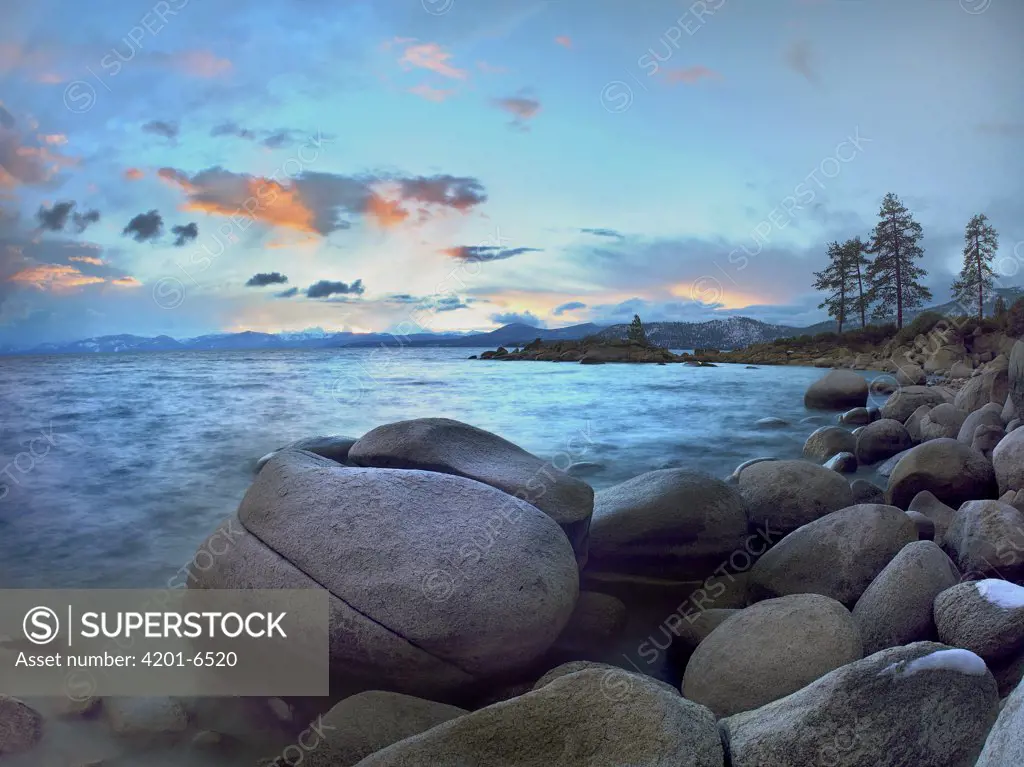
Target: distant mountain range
[{"x": 730, "y": 333}]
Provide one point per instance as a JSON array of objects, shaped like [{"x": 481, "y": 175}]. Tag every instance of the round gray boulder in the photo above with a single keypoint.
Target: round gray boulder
[
  {"x": 844, "y": 463},
  {"x": 942, "y": 421},
  {"x": 904, "y": 401},
  {"x": 986, "y": 538},
  {"x": 941, "y": 515},
  {"x": 21, "y": 726},
  {"x": 949, "y": 469},
  {"x": 770, "y": 650},
  {"x": 880, "y": 440},
  {"x": 896, "y": 609},
  {"x": 987, "y": 415},
  {"x": 985, "y": 440},
  {"x": 783, "y": 495},
  {"x": 980, "y": 390},
  {"x": 1008, "y": 461},
  {"x": 857, "y": 416},
  {"x": 825, "y": 442},
  {"x": 866, "y": 492},
  {"x": 985, "y": 617},
  {"x": 837, "y": 390},
  {"x": 837, "y": 556},
  {"x": 334, "y": 447},
  {"x": 1005, "y": 746}
]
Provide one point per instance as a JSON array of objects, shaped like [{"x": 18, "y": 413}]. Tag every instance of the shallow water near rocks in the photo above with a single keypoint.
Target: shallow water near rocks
[{"x": 142, "y": 455}]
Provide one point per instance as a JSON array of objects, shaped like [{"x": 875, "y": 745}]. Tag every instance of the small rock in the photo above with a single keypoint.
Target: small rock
[
  {"x": 985, "y": 440},
  {"x": 931, "y": 507},
  {"x": 858, "y": 416},
  {"x": 844, "y": 463},
  {"x": 925, "y": 527},
  {"x": 827, "y": 441},
  {"x": 594, "y": 624},
  {"x": 771, "y": 423},
  {"x": 866, "y": 492}
]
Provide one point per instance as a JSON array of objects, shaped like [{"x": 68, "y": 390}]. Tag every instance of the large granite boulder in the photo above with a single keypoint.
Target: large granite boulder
[
  {"x": 951, "y": 470},
  {"x": 595, "y": 624},
  {"x": 1005, "y": 746},
  {"x": 985, "y": 617},
  {"x": 942, "y": 421},
  {"x": 986, "y": 415},
  {"x": 916, "y": 422},
  {"x": 335, "y": 447},
  {"x": 837, "y": 556},
  {"x": 1008, "y": 461},
  {"x": 980, "y": 390},
  {"x": 903, "y": 402},
  {"x": 671, "y": 523},
  {"x": 591, "y": 718},
  {"x": 880, "y": 440},
  {"x": 453, "y": 447},
  {"x": 770, "y": 650},
  {"x": 837, "y": 390},
  {"x": 986, "y": 439},
  {"x": 1015, "y": 377},
  {"x": 935, "y": 510},
  {"x": 896, "y": 609},
  {"x": 435, "y": 581},
  {"x": 21, "y": 726},
  {"x": 921, "y": 704},
  {"x": 363, "y": 724},
  {"x": 866, "y": 492},
  {"x": 827, "y": 441},
  {"x": 783, "y": 495},
  {"x": 986, "y": 538}
]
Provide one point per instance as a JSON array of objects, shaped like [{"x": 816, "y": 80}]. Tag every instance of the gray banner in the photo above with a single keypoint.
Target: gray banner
[{"x": 188, "y": 642}]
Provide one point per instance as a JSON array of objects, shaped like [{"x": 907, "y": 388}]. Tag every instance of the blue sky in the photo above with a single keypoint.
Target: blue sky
[{"x": 458, "y": 165}]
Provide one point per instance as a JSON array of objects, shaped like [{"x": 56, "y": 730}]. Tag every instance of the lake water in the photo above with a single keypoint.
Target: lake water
[{"x": 115, "y": 467}]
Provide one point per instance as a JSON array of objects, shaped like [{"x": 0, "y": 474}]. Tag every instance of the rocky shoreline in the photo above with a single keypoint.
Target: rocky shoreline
[{"x": 783, "y": 616}]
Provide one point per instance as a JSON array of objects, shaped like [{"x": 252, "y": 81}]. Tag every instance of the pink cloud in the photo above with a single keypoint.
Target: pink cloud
[
  {"x": 564, "y": 40},
  {"x": 522, "y": 109},
  {"x": 432, "y": 57},
  {"x": 204, "y": 64},
  {"x": 691, "y": 75}
]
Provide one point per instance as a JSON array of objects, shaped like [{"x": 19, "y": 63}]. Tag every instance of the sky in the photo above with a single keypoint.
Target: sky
[{"x": 184, "y": 167}]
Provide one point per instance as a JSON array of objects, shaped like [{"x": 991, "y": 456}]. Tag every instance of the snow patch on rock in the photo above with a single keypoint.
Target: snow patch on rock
[
  {"x": 961, "y": 661},
  {"x": 1001, "y": 593}
]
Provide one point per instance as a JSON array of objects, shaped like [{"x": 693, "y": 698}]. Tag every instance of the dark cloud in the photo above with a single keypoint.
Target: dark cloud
[
  {"x": 233, "y": 129},
  {"x": 486, "y": 252},
  {"x": 184, "y": 234},
  {"x": 168, "y": 130},
  {"x": 83, "y": 220},
  {"x": 145, "y": 226},
  {"x": 271, "y": 139},
  {"x": 449, "y": 304},
  {"x": 278, "y": 139},
  {"x": 54, "y": 219},
  {"x": 604, "y": 233},
  {"x": 266, "y": 278},
  {"x": 522, "y": 108},
  {"x": 517, "y": 318},
  {"x": 571, "y": 306},
  {"x": 290, "y": 293},
  {"x": 800, "y": 57},
  {"x": 325, "y": 288}
]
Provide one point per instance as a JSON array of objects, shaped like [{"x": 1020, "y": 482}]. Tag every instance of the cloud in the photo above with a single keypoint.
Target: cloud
[
  {"x": 432, "y": 94},
  {"x": 183, "y": 234},
  {"x": 168, "y": 130},
  {"x": 203, "y": 64},
  {"x": 31, "y": 162},
  {"x": 485, "y": 252},
  {"x": 233, "y": 129},
  {"x": 145, "y": 226},
  {"x": 325, "y": 288},
  {"x": 800, "y": 57},
  {"x": 53, "y": 219},
  {"x": 126, "y": 282},
  {"x": 263, "y": 279},
  {"x": 432, "y": 57},
  {"x": 517, "y": 318},
  {"x": 53, "y": 277},
  {"x": 83, "y": 220},
  {"x": 6, "y": 118},
  {"x": 572, "y": 306},
  {"x": 604, "y": 233},
  {"x": 274, "y": 139},
  {"x": 564, "y": 40},
  {"x": 91, "y": 260},
  {"x": 690, "y": 75},
  {"x": 522, "y": 109},
  {"x": 321, "y": 203},
  {"x": 287, "y": 293}
]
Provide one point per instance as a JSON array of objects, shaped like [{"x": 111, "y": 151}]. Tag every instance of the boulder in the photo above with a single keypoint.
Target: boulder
[
  {"x": 901, "y": 405},
  {"x": 1008, "y": 461},
  {"x": 452, "y": 447},
  {"x": 962, "y": 369},
  {"x": 613, "y": 675},
  {"x": 1009, "y": 411},
  {"x": 591, "y": 717},
  {"x": 986, "y": 538},
  {"x": 1015, "y": 377},
  {"x": 783, "y": 495},
  {"x": 943, "y": 359},
  {"x": 880, "y": 440},
  {"x": 365, "y": 723},
  {"x": 771, "y": 422},
  {"x": 858, "y": 416},
  {"x": 985, "y": 617},
  {"x": 1005, "y": 746},
  {"x": 866, "y": 492},
  {"x": 886, "y": 468},
  {"x": 920, "y": 704},
  {"x": 896, "y": 608},
  {"x": 980, "y": 390},
  {"x": 951, "y": 470},
  {"x": 844, "y": 463},
  {"x": 936, "y": 511},
  {"x": 21, "y": 726},
  {"x": 671, "y": 523},
  {"x": 909, "y": 374},
  {"x": 595, "y": 623},
  {"x": 925, "y": 527},
  {"x": 986, "y": 415},
  {"x": 837, "y": 390},
  {"x": 985, "y": 440},
  {"x": 693, "y": 630},
  {"x": 916, "y": 421},
  {"x": 334, "y": 447},
  {"x": 825, "y": 442},
  {"x": 942, "y": 421},
  {"x": 145, "y": 718},
  {"x": 435, "y": 581},
  {"x": 837, "y": 556},
  {"x": 770, "y": 650}
]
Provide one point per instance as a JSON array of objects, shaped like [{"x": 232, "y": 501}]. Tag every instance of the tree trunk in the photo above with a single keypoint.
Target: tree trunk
[
  {"x": 981, "y": 287},
  {"x": 860, "y": 293},
  {"x": 899, "y": 275}
]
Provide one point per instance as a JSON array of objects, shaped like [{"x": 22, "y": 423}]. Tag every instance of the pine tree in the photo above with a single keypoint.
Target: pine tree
[
  {"x": 977, "y": 280},
  {"x": 856, "y": 261},
  {"x": 636, "y": 331},
  {"x": 835, "y": 279},
  {"x": 894, "y": 277},
  {"x": 999, "y": 310}
]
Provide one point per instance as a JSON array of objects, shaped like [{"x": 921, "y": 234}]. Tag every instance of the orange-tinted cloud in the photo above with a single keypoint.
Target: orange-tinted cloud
[
  {"x": 132, "y": 174},
  {"x": 564, "y": 40},
  {"x": 286, "y": 209},
  {"x": 87, "y": 260},
  {"x": 384, "y": 212},
  {"x": 691, "y": 75},
  {"x": 176, "y": 178},
  {"x": 126, "y": 282},
  {"x": 203, "y": 64},
  {"x": 431, "y": 94},
  {"x": 54, "y": 277},
  {"x": 432, "y": 57},
  {"x": 25, "y": 163}
]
